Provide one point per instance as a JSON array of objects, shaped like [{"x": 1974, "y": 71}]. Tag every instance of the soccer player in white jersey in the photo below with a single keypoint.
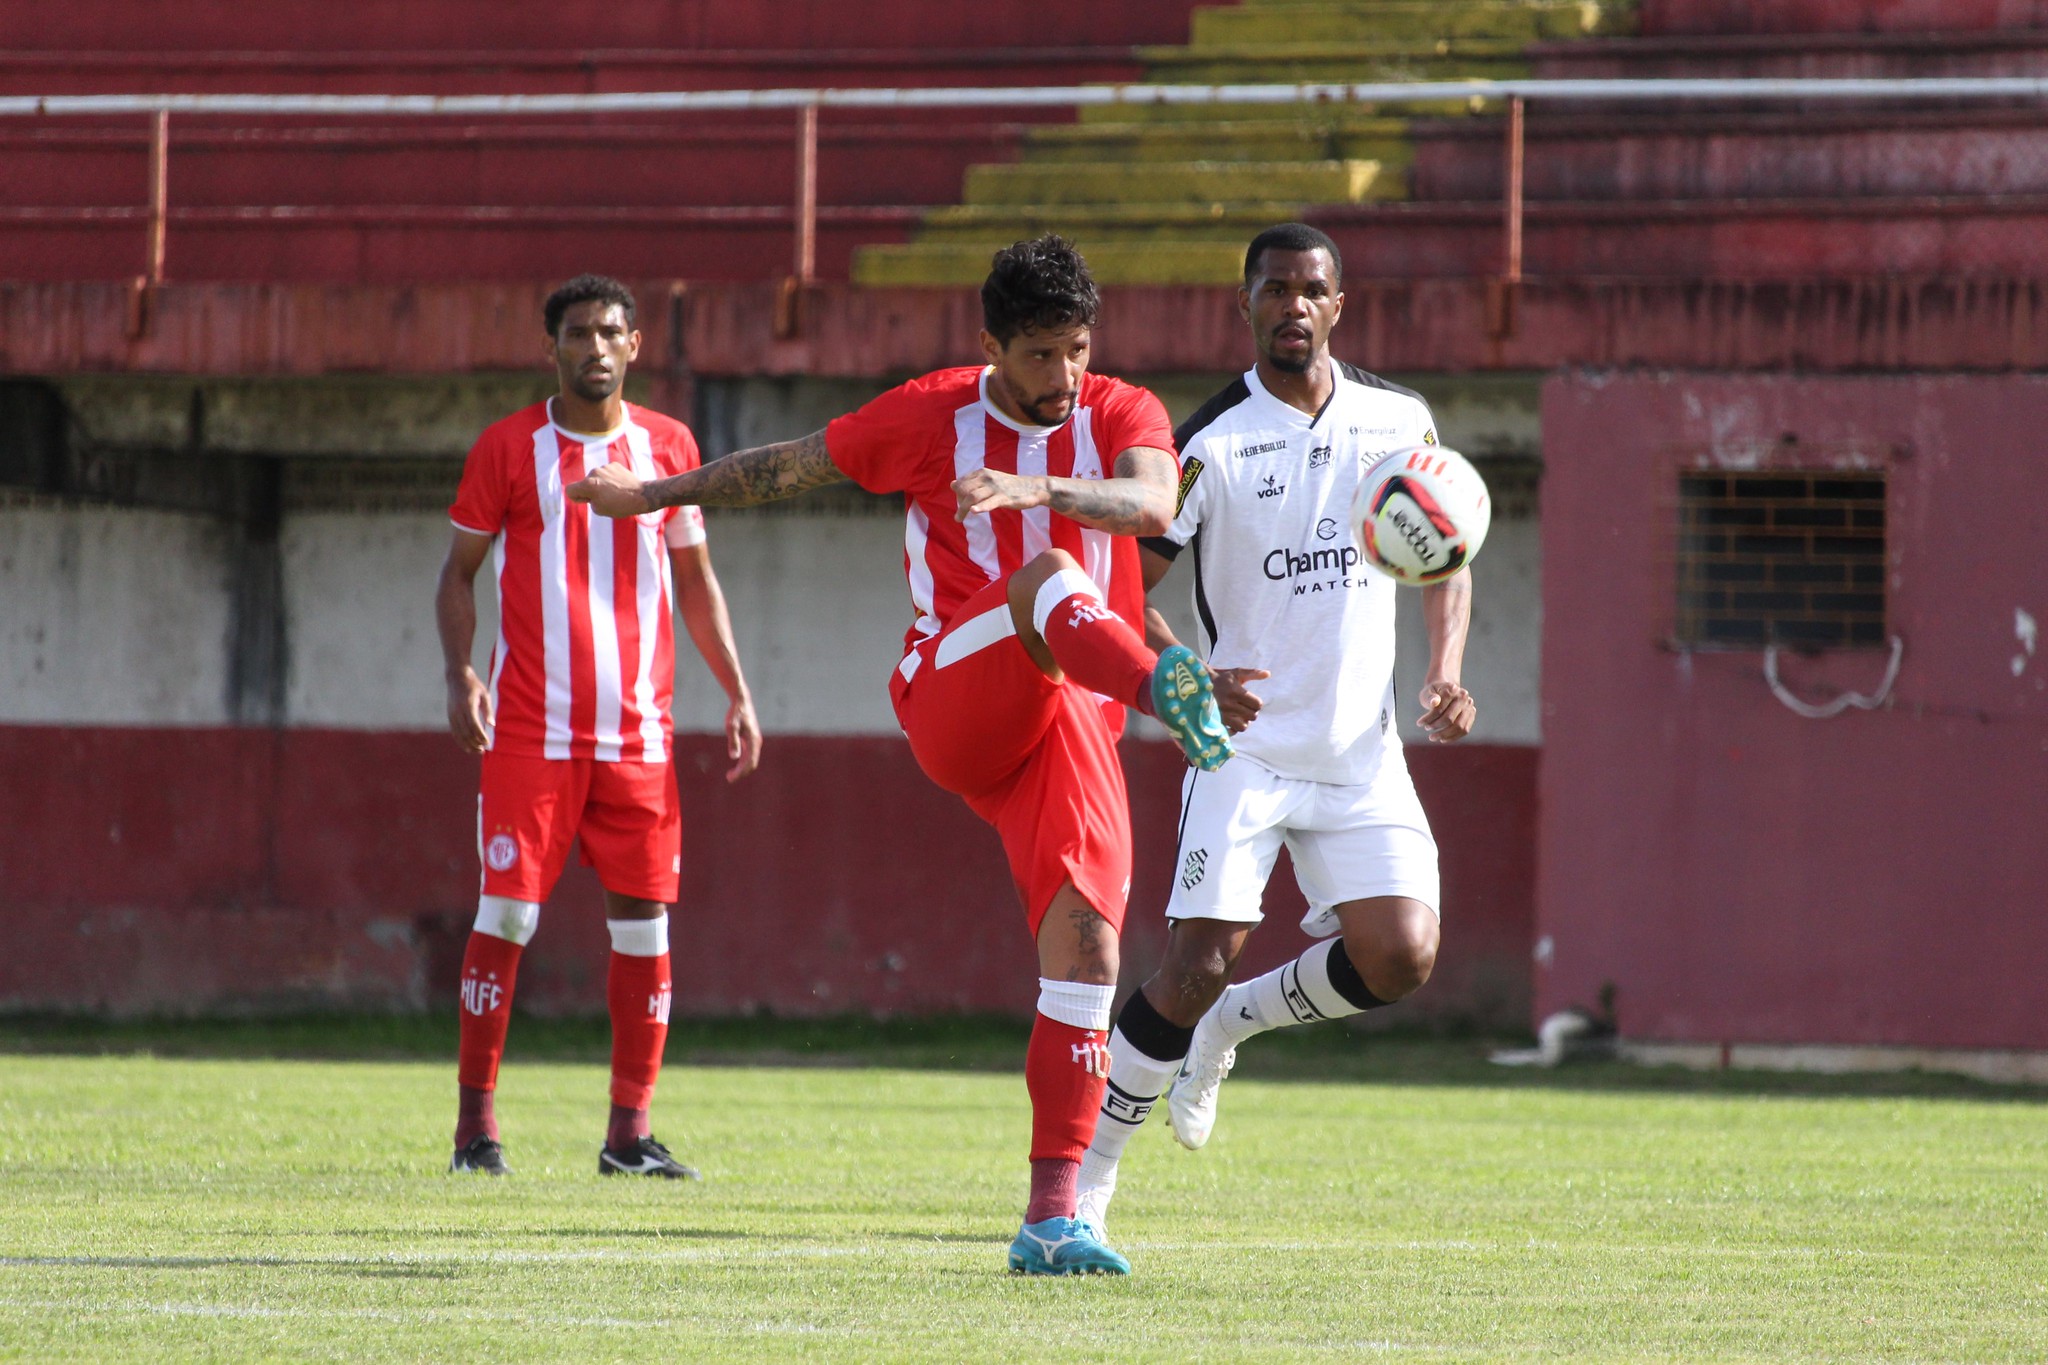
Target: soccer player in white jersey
[
  {"x": 574, "y": 724},
  {"x": 1269, "y": 468}
]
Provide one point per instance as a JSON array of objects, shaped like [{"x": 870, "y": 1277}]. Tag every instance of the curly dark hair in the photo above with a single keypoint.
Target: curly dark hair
[
  {"x": 1290, "y": 237},
  {"x": 1038, "y": 286},
  {"x": 585, "y": 289}
]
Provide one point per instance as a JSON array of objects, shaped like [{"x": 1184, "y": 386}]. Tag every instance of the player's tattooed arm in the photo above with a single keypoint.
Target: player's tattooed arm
[
  {"x": 1137, "y": 501},
  {"x": 1449, "y": 713},
  {"x": 742, "y": 479}
]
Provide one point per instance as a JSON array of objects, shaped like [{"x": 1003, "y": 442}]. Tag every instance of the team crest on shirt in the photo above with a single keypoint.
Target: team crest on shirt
[
  {"x": 1190, "y": 470},
  {"x": 501, "y": 852}
]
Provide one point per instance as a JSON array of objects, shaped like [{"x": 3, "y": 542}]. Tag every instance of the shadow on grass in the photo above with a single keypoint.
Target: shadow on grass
[{"x": 977, "y": 1043}]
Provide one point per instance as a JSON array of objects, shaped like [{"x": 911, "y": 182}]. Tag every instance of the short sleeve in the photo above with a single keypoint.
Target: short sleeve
[
  {"x": 881, "y": 445},
  {"x": 482, "y": 496},
  {"x": 678, "y": 454},
  {"x": 1131, "y": 416},
  {"x": 1191, "y": 497}
]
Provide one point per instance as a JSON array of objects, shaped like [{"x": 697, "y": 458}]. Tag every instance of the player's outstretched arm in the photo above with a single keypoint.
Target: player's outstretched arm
[
  {"x": 702, "y": 603},
  {"x": 742, "y": 479},
  {"x": 1138, "y": 501},
  {"x": 1449, "y": 712}
]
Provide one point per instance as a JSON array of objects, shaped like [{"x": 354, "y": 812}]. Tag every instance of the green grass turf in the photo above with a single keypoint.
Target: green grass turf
[{"x": 167, "y": 1193}]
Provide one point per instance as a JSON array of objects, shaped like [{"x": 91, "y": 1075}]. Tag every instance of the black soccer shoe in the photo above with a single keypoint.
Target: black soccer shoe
[
  {"x": 483, "y": 1156},
  {"x": 645, "y": 1157}
]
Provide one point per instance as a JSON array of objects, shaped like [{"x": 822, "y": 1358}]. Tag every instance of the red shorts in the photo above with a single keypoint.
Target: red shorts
[
  {"x": 625, "y": 816},
  {"x": 1035, "y": 758}
]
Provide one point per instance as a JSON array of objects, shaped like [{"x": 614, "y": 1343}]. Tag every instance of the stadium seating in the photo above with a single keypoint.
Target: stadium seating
[
  {"x": 1157, "y": 195},
  {"x": 1162, "y": 196}
]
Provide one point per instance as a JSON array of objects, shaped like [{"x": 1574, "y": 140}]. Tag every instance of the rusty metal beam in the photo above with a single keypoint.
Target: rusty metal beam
[{"x": 1895, "y": 324}]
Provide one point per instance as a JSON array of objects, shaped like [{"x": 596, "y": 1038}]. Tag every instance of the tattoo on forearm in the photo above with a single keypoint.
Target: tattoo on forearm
[
  {"x": 747, "y": 477},
  {"x": 1129, "y": 504},
  {"x": 1118, "y": 508}
]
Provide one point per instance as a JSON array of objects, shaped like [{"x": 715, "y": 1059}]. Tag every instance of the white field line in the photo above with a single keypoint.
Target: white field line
[{"x": 286, "y": 1261}]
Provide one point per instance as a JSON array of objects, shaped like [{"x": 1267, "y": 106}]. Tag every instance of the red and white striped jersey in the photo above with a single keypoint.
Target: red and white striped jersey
[
  {"x": 585, "y": 662},
  {"x": 919, "y": 437}
]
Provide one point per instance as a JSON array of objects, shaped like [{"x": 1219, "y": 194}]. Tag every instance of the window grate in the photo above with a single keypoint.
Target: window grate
[{"x": 1781, "y": 557}]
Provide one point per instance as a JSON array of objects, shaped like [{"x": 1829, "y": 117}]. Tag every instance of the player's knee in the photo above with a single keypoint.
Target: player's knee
[
  {"x": 1026, "y": 581},
  {"x": 502, "y": 917},
  {"x": 1397, "y": 954}
]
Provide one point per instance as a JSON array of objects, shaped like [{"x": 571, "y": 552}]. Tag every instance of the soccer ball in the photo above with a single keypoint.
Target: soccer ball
[{"x": 1421, "y": 514}]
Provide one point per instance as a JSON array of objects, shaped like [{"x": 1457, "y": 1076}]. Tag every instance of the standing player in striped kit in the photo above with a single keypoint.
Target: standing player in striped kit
[
  {"x": 574, "y": 724},
  {"x": 1024, "y": 482}
]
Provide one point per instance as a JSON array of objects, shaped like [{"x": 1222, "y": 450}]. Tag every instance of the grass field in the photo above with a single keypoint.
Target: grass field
[{"x": 173, "y": 1193}]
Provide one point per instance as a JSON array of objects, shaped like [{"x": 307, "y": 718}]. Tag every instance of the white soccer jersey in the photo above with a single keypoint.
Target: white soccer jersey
[{"x": 1264, "y": 512}]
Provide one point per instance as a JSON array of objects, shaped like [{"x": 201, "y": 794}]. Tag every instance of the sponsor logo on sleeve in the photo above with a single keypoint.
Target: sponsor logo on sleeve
[
  {"x": 1190, "y": 470},
  {"x": 1429, "y": 437}
]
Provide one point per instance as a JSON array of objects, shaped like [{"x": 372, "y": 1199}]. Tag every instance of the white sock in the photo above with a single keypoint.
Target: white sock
[
  {"x": 1298, "y": 993},
  {"x": 1136, "y": 1082}
]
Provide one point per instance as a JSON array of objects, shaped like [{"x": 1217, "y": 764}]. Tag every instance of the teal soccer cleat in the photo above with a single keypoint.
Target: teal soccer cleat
[
  {"x": 1184, "y": 701},
  {"x": 1063, "y": 1246}
]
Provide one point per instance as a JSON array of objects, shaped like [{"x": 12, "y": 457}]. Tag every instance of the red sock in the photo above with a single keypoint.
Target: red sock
[
  {"x": 1098, "y": 649},
  {"x": 1065, "y": 1070},
  {"x": 637, "y": 990},
  {"x": 489, "y": 966}
]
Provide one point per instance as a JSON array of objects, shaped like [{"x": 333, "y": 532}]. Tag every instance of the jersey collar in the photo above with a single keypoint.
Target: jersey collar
[
  {"x": 988, "y": 405},
  {"x": 585, "y": 438},
  {"x": 1257, "y": 386}
]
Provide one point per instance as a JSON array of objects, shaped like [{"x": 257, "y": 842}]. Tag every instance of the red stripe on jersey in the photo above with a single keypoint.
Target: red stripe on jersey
[
  {"x": 626, "y": 535},
  {"x": 582, "y": 663}
]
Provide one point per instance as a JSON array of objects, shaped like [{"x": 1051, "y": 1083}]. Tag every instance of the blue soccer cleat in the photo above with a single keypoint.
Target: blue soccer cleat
[
  {"x": 1184, "y": 701},
  {"x": 1063, "y": 1246}
]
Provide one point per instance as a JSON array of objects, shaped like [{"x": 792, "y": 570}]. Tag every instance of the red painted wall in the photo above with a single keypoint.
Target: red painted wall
[
  {"x": 183, "y": 870},
  {"x": 1739, "y": 873}
]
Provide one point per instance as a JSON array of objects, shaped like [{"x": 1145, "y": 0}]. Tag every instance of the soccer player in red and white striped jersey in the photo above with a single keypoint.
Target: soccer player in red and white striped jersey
[
  {"x": 574, "y": 723},
  {"x": 1024, "y": 480}
]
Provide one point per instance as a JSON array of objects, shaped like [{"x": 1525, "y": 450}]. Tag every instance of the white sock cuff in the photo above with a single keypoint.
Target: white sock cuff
[
  {"x": 1057, "y": 589},
  {"x": 503, "y": 917},
  {"x": 640, "y": 937},
  {"x": 1072, "y": 1002}
]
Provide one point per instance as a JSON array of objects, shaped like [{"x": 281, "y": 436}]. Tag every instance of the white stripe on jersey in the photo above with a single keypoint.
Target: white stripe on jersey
[
  {"x": 554, "y": 590},
  {"x": 970, "y": 452},
  {"x": 604, "y": 626},
  {"x": 1095, "y": 545},
  {"x": 650, "y": 591},
  {"x": 917, "y": 530},
  {"x": 1031, "y": 456}
]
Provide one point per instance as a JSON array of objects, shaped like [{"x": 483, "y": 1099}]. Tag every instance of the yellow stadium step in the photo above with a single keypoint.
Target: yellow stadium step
[
  {"x": 963, "y": 263},
  {"x": 1446, "y": 59},
  {"x": 1289, "y": 136},
  {"x": 1362, "y": 21},
  {"x": 1028, "y": 185},
  {"x": 1004, "y": 223}
]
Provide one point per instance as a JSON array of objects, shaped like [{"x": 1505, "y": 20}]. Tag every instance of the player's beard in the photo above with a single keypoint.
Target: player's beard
[
  {"x": 1037, "y": 409},
  {"x": 593, "y": 388}
]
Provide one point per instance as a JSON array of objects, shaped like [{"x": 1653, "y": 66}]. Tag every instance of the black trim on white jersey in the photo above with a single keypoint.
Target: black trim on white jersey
[
  {"x": 1220, "y": 402},
  {"x": 1201, "y": 597},
  {"x": 1166, "y": 549},
  {"x": 1373, "y": 381}
]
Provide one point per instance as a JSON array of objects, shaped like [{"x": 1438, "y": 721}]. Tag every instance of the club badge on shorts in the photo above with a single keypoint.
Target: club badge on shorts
[{"x": 501, "y": 852}]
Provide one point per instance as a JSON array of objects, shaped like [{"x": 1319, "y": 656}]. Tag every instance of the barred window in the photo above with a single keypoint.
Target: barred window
[{"x": 1781, "y": 557}]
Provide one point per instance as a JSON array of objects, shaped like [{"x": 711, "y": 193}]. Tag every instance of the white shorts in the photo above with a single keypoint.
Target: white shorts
[{"x": 1348, "y": 843}]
